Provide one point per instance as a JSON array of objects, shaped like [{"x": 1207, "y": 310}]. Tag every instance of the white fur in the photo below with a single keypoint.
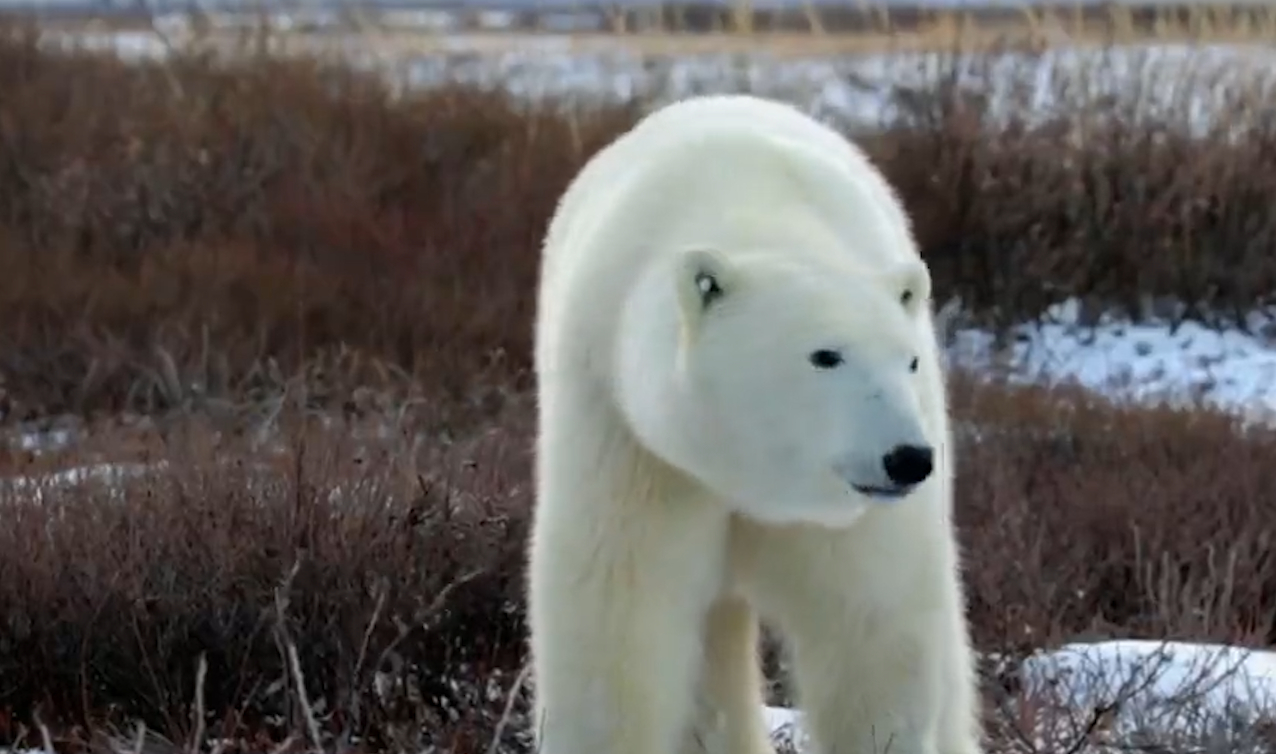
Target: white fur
[{"x": 694, "y": 469}]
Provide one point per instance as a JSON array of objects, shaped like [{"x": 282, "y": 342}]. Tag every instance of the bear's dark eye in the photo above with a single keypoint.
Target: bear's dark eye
[
  {"x": 912, "y": 366},
  {"x": 906, "y": 296},
  {"x": 826, "y": 359},
  {"x": 708, "y": 286}
]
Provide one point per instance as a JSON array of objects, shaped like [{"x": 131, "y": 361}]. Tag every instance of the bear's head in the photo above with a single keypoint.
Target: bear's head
[{"x": 800, "y": 389}]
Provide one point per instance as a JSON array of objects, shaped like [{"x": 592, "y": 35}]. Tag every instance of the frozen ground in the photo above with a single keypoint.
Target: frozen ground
[
  {"x": 1152, "y": 696},
  {"x": 1148, "y": 361},
  {"x": 115, "y": 6},
  {"x": 1185, "y": 83}
]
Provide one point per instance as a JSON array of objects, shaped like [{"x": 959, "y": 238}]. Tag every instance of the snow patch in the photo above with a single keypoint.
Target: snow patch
[
  {"x": 1174, "y": 81},
  {"x": 1170, "y": 687},
  {"x": 1170, "y": 690},
  {"x": 1231, "y": 369},
  {"x": 111, "y": 476}
]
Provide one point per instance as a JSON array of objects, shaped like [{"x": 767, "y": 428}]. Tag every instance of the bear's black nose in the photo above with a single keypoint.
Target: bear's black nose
[{"x": 909, "y": 464}]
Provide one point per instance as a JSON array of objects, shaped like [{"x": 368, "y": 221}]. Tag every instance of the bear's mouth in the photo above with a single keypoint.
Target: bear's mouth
[{"x": 893, "y": 492}]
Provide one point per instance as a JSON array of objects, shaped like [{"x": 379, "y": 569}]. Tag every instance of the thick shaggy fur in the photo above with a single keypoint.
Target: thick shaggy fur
[{"x": 734, "y": 328}]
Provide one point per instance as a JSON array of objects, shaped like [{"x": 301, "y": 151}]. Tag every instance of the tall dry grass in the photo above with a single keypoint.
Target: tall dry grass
[{"x": 204, "y": 232}]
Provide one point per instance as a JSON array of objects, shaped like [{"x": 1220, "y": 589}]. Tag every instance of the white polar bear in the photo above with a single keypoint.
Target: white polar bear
[{"x": 742, "y": 416}]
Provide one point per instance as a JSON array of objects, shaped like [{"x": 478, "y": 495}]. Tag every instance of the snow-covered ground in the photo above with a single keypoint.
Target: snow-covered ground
[
  {"x": 1190, "y": 365},
  {"x": 1164, "y": 686},
  {"x": 1181, "y": 82},
  {"x": 1148, "y": 695},
  {"x": 297, "y": 7}
]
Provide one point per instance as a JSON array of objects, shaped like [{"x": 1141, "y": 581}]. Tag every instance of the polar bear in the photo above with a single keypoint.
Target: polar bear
[{"x": 741, "y": 417}]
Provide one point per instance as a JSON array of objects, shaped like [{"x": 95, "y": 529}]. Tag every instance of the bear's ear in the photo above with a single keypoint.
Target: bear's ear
[
  {"x": 704, "y": 277},
  {"x": 911, "y": 281}
]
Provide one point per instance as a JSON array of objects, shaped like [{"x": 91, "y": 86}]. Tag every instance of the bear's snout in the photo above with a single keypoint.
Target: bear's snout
[{"x": 908, "y": 465}]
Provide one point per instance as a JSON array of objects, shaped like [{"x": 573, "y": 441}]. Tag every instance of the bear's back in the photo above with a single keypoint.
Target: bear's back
[{"x": 781, "y": 120}]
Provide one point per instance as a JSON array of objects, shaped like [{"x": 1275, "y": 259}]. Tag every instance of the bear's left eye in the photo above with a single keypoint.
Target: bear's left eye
[
  {"x": 826, "y": 358},
  {"x": 912, "y": 366}
]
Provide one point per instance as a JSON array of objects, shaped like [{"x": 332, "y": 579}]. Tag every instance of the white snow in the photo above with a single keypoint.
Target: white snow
[
  {"x": 1181, "y": 82},
  {"x": 1148, "y": 361},
  {"x": 107, "y": 476},
  {"x": 1164, "y": 686},
  {"x": 1195, "y": 80},
  {"x": 45, "y": 440},
  {"x": 1170, "y": 690}
]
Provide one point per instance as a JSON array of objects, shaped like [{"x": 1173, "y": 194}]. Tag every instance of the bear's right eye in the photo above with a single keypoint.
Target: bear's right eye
[{"x": 826, "y": 359}]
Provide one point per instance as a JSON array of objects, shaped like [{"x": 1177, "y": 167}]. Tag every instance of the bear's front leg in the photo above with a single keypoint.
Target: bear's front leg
[
  {"x": 876, "y": 632},
  {"x": 867, "y": 691},
  {"x": 864, "y": 703},
  {"x": 873, "y": 679},
  {"x": 729, "y": 716},
  {"x": 618, "y": 597}
]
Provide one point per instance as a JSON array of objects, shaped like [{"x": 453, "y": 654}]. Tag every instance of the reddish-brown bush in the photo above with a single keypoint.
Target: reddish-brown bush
[
  {"x": 1078, "y": 518},
  {"x": 387, "y": 560},
  {"x": 1114, "y": 203},
  {"x": 217, "y": 216},
  {"x": 1101, "y": 519},
  {"x": 168, "y": 232}
]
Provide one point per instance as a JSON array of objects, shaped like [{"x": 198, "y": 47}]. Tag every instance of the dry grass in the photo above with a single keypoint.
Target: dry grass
[
  {"x": 401, "y": 557},
  {"x": 302, "y": 303},
  {"x": 213, "y": 234}
]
